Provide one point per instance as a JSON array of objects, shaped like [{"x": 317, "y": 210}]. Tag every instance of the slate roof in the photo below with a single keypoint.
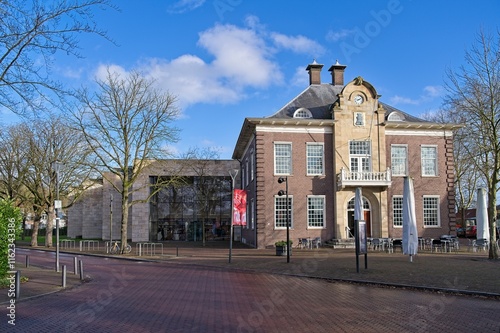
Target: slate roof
[{"x": 317, "y": 98}]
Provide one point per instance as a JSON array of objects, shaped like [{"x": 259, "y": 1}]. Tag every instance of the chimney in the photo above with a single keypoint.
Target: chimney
[
  {"x": 337, "y": 74},
  {"x": 314, "y": 72}
]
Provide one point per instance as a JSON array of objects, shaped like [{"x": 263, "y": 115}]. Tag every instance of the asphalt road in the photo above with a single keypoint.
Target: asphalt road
[{"x": 141, "y": 296}]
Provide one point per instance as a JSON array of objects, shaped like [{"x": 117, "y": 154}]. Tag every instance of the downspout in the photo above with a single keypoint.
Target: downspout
[{"x": 379, "y": 169}]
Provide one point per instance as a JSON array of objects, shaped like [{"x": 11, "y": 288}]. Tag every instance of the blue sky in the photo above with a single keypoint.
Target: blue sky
[{"x": 230, "y": 59}]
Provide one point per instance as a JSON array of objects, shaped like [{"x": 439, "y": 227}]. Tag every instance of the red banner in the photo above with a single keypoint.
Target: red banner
[{"x": 240, "y": 207}]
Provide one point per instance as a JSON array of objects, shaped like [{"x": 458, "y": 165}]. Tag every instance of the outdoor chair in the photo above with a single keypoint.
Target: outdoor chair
[
  {"x": 397, "y": 243},
  {"x": 300, "y": 245},
  {"x": 316, "y": 242},
  {"x": 377, "y": 244},
  {"x": 436, "y": 244},
  {"x": 305, "y": 243},
  {"x": 480, "y": 244}
]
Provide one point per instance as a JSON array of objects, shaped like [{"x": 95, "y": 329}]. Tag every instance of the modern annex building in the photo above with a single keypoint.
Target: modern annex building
[
  {"x": 196, "y": 204},
  {"x": 326, "y": 142}
]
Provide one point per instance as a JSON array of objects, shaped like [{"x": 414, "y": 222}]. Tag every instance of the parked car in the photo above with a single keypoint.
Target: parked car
[
  {"x": 471, "y": 231},
  {"x": 460, "y": 232}
]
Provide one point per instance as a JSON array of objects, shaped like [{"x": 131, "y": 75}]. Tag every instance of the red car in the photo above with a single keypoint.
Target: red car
[{"x": 471, "y": 231}]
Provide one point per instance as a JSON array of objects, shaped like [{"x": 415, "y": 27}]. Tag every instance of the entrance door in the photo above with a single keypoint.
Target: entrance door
[{"x": 349, "y": 232}]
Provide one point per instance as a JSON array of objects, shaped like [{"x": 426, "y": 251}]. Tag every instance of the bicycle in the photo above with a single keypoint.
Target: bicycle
[{"x": 115, "y": 248}]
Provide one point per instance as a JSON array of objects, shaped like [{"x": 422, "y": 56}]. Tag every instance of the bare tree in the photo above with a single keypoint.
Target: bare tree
[
  {"x": 474, "y": 94},
  {"x": 127, "y": 122},
  {"x": 13, "y": 166},
  {"x": 31, "y": 32},
  {"x": 36, "y": 149}
]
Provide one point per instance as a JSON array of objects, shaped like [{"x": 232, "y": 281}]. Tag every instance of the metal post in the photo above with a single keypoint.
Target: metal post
[
  {"x": 280, "y": 193},
  {"x": 18, "y": 285},
  {"x": 233, "y": 174},
  {"x": 57, "y": 206},
  {"x": 27, "y": 261},
  {"x": 110, "y": 218},
  {"x": 81, "y": 269},
  {"x": 64, "y": 276},
  {"x": 75, "y": 264},
  {"x": 287, "y": 224}
]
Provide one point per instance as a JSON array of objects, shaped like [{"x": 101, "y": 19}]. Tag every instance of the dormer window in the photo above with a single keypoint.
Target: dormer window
[
  {"x": 396, "y": 116},
  {"x": 302, "y": 113}
]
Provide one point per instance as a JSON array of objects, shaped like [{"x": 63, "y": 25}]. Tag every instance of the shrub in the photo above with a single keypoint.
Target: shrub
[{"x": 10, "y": 228}]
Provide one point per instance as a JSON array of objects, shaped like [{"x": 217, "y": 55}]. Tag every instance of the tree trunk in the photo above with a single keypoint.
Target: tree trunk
[
  {"x": 34, "y": 232},
  {"x": 49, "y": 227},
  {"x": 124, "y": 230}
]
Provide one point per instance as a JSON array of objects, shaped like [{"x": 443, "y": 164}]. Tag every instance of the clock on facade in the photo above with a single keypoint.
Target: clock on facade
[{"x": 358, "y": 99}]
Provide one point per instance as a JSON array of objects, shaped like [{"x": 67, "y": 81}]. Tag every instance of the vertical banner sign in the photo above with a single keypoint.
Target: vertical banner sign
[{"x": 240, "y": 207}]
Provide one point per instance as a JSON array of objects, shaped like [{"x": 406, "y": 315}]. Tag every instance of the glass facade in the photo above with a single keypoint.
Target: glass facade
[{"x": 192, "y": 207}]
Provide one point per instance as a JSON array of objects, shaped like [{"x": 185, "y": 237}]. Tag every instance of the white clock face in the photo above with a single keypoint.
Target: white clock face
[{"x": 358, "y": 99}]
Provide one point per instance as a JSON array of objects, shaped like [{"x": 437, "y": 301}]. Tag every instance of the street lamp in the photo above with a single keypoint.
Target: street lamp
[
  {"x": 281, "y": 193},
  {"x": 110, "y": 218},
  {"x": 233, "y": 174},
  {"x": 57, "y": 205}
]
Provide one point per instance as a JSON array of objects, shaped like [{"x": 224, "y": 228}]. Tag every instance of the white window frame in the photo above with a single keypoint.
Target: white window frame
[
  {"x": 308, "y": 171},
  {"x": 282, "y": 172},
  {"x": 360, "y": 157},
  {"x": 323, "y": 212},
  {"x": 427, "y": 210},
  {"x": 393, "y": 171},
  {"x": 422, "y": 159},
  {"x": 283, "y": 198},
  {"x": 399, "y": 211}
]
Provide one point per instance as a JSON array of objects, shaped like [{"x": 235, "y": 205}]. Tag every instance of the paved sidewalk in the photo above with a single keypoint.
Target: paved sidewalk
[{"x": 462, "y": 272}]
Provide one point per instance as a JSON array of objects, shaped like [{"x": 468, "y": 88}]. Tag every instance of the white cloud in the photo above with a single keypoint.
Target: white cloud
[
  {"x": 300, "y": 78},
  {"x": 101, "y": 73},
  {"x": 429, "y": 94},
  {"x": 183, "y": 6},
  {"x": 434, "y": 91},
  {"x": 298, "y": 44},
  {"x": 242, "y": 60},
  {"x": 398, "y": 100},
  {"x": 335, "y": 36},
  {"x": 241, "y": 56}
]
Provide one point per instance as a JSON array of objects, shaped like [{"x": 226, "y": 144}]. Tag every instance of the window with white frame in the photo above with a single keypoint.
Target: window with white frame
[
  {"x": 283, "y": 158},
  {"x": 315, "y": 158},
  {"x": 431, "y": 211},
  {"x": 280, "y": 211},
  {"x": 399, "y": 160},
  {"x": 397, "y": 211},
  {"x": 316, "y": 211},
  {"x": 302, "y": 113},
  {"x": 429, "y": 160},
  {"x": 360, "y": 156}
]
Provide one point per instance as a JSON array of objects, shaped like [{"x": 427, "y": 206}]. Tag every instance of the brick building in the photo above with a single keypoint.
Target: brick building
[{"x": 326, "y": 142}]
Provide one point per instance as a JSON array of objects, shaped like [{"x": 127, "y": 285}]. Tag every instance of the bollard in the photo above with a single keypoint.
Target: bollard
[
  {"x": 64, "y": 276},
  {"x": 27, "y": 261},
  {"x": 81, "y": 269},
  {"x": 75, "y": 265},
  {"x": 18, "y": 285},
  {"x": 177, "y": 253}
]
